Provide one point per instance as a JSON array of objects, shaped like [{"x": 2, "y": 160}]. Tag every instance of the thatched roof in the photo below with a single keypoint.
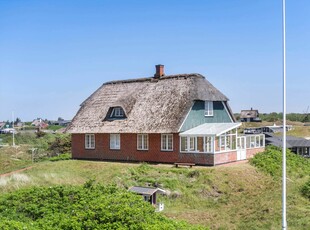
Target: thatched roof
[
  {"x": 151, "y": 105},
  {"x": 253, "y": 113}
]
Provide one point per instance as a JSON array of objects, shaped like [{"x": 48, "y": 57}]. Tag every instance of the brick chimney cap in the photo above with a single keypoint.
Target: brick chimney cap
[{"x": 159, "y": 71}]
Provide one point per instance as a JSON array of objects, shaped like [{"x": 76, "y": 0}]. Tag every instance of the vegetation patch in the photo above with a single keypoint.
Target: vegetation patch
[
  {"x": 305, "y": 189},
  {"x": 61, "y": 157},
  {"x": 92, "y": 206},
  {"x": 270, "y": 161}
]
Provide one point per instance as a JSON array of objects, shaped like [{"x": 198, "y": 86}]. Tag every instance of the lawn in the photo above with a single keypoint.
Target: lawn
[{"x": 223, "y": 197}]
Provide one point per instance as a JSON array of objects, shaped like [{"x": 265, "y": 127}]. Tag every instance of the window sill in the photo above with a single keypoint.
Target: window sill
[
  {"x": 195, "y": 152},
  {"x": 166, "y": 150}
]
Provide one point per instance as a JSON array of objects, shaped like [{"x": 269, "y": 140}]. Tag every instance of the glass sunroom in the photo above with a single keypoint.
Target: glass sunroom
[{"x": 217, "y": 138}]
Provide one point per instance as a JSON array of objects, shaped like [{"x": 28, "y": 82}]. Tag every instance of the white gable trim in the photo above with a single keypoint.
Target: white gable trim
[
  {"x": 179, "y": 130},
  {"x": 227, "y": 112}
]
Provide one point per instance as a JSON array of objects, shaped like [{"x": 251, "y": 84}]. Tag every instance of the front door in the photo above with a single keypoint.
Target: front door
[{"x": 241, "y": 149}]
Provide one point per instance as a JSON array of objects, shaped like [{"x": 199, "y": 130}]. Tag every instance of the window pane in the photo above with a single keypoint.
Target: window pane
[
  {"x": 163, "y": 141},
  {"x": 89, "y": 141},
  {"x": 248, "y": 142},
  {"x": 142, "y": 141},
  {"x": 139, "y": 141},
  {"x": 192, "y": 143},
  {"x": 262, "y": 140},
  {"x": 257, "y": 141},
  {"x": 209, "y": 144},
  {"x": 208, "y": 108},
  {"x": 146, "y": 141},
  {"x": 183, "y": 144},
  {"x": 114, "y": 141},
  {"x": 167, "y": 142}
]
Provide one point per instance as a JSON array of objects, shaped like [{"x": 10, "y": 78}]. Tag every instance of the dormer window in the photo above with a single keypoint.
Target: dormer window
[
  {"x": 208, "y": 108},
  {"x": 117, "y": 112}
]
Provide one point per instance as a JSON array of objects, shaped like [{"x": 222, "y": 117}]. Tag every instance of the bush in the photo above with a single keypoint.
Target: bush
[
  {"x": 305, "y": 190},
  {"x": 270, "y": 161},
  {"x": 61, "y": 144},
  {"x": 61, "y": 157},
  {"x": 81, "y": 207}
]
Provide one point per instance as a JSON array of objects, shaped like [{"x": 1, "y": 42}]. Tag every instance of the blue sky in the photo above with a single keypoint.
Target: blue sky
[{"x": 54, "y": 54}]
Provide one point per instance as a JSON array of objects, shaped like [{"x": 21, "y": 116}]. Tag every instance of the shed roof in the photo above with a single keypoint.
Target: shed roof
[
  {"x": 212, "y": 129},
  {"x": 151, "y": 105},
  {"x": 146, "y": 190},
  {"x": 291, "y": 141}
]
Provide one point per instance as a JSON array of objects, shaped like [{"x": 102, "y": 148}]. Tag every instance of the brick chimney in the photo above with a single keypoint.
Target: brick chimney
[{"x": 159, "y": 71}]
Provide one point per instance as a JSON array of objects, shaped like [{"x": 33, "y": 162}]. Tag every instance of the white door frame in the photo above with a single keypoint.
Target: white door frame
[{"x": 241, "y": 148}]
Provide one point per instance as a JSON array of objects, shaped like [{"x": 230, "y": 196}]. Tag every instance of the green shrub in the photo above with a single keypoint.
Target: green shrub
[
  {"x": 305, "y": 189},
  {"x": 270, "y": 161},
  {"x": 81, "y": 207},
  {"x": 61, "y": 144},
  {"x": 61, "y": 157}
]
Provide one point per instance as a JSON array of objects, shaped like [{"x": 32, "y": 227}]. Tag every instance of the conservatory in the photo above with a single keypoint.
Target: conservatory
[{"x": 221, "y": 140}]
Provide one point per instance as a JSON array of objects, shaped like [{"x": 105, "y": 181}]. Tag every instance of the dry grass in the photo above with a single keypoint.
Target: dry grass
[
  {"x": 13, "y": 158},
  {"x": 300, "y": 131}
]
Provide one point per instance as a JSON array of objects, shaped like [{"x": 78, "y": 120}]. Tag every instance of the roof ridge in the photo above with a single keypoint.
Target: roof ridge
[{"x": 152, "y": 79}]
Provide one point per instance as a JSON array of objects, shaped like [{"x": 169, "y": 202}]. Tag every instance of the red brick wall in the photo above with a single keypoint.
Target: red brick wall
[
  {"x": 221, "y": 158},
  {"x": 251, "y": 152},
  {"x": 196, "y": 158},
  {"x": 129, "y": 152}
]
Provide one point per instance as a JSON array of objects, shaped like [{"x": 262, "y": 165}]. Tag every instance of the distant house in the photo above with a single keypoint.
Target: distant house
[
  {"x": 39, "y": 123},
  {"x": 298, "y": 145},
  {"x": 249, "y": 116},
  {"x": 168, "y": 119},
  {"x": 150, "y": 195}
]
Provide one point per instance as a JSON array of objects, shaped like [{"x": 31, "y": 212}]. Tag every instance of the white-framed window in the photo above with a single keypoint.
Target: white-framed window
[
  {"x": 89, "y": 141},
  {"x": 209, "y": 144},
  {"x": 188, "y": 144},
  {"x": 183, "y": 144},
  {"x": 167, "y": 142},
  {"x": 192, "y": 143},
  {"x": 142, "y": 141},
  {"x": 117, "y": 112},
  {"x": 115, "y": 141},
  {"x": 208, "y": 108}
]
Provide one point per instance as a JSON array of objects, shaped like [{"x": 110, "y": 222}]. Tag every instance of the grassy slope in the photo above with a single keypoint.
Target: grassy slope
[
  {"x": 14, "y": 158},
  {"x": 224, "y": 197}
]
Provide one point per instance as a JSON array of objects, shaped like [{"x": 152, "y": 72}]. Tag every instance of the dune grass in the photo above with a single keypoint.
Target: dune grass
[{"x": 224, "y": 197}]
